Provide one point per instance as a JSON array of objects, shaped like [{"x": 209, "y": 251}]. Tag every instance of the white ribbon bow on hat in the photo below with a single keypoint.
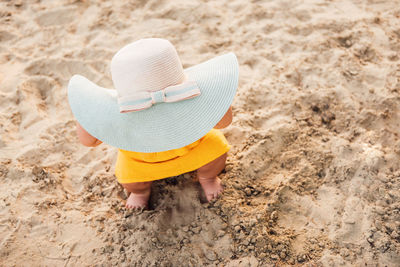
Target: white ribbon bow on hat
[{"x": 144, "y": 100}]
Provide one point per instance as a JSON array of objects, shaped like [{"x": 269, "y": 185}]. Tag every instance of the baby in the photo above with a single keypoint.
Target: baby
[
  {"x": 164, "y": 120},
  {"x": 140, "y": 191}
]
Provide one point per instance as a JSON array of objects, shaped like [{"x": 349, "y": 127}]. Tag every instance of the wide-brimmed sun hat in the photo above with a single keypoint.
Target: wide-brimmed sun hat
[{"x": 157, "y": 105}]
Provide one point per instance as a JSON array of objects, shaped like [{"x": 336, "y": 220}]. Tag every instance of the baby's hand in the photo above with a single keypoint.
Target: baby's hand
[
  {"x": 226, "y": 120},
  {"x": 85, "y": 138}
]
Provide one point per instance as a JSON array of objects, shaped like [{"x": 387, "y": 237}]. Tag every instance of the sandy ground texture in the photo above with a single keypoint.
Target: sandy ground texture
[{"x": 313, "y": 177}]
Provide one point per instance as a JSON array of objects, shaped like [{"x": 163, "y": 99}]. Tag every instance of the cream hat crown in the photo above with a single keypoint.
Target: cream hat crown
[{"x": 146, "y": 66}]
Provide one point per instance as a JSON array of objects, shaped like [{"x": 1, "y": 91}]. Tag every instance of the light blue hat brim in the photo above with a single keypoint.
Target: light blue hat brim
[{"x": 163, "y": 126}]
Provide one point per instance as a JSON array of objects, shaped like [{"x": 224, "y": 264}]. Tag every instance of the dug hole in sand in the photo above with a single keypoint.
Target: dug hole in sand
[{"x": 313, "y": 177}]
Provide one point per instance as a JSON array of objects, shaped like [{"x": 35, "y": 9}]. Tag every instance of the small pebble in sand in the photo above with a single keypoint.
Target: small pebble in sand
[
  {"x": 274, "y": 215},
  {"x": 221, "y": 233},
  {"x": 228, "y": 167},
  {"x": 247, "y": 191},
  {"x": 274, "y": 257},
  {"x": 196, "y": 230},
  {"x": 210, "y": 255},
  {"x": 224, "y": 226},
  {"x": 394, "y": 235}
]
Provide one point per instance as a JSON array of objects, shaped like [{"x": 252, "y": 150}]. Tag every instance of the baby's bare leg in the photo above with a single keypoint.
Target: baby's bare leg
[
  {"x": 139, "y": 194},
  {"x": 208, "y": 179}
]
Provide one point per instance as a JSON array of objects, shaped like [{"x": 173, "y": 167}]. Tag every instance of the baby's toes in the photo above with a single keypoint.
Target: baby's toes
[
  {"x": 218, "y": 192},
  {"x": 210, "y": 197},
  {"x": 129, "y": 206},
  {"x": 138, "y": 207},
  {"x": 134, "y": 207}
]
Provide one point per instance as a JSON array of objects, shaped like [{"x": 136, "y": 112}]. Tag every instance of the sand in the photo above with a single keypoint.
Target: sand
[{"x": 313, "y": 177}]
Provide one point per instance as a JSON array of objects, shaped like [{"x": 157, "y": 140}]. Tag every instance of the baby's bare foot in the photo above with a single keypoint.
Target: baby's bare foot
[
  {"x": 212, "y": 187},
  {"x": 138, "y": 200}
]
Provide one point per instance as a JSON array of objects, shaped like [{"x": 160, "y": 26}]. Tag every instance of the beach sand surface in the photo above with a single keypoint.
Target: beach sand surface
[{"x": 313, "y": 176}]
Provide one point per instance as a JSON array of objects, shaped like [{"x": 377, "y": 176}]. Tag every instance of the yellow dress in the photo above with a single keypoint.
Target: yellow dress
[{"x": 132, "y": 167}]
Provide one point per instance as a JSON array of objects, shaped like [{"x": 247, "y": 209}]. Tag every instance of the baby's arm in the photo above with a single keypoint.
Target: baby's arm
[
  {"x": 226, "y": 120},
  {"x": 85, "y": 138}
]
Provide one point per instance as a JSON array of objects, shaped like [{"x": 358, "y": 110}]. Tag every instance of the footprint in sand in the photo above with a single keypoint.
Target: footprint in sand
[
  {"x": 38, "y": 88},
  {"x": 60, "y": 68},
  {"x": 56, "y": 17},
  {"x": 302, "y": 15},
  {"x": 6, "y": 36}
]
